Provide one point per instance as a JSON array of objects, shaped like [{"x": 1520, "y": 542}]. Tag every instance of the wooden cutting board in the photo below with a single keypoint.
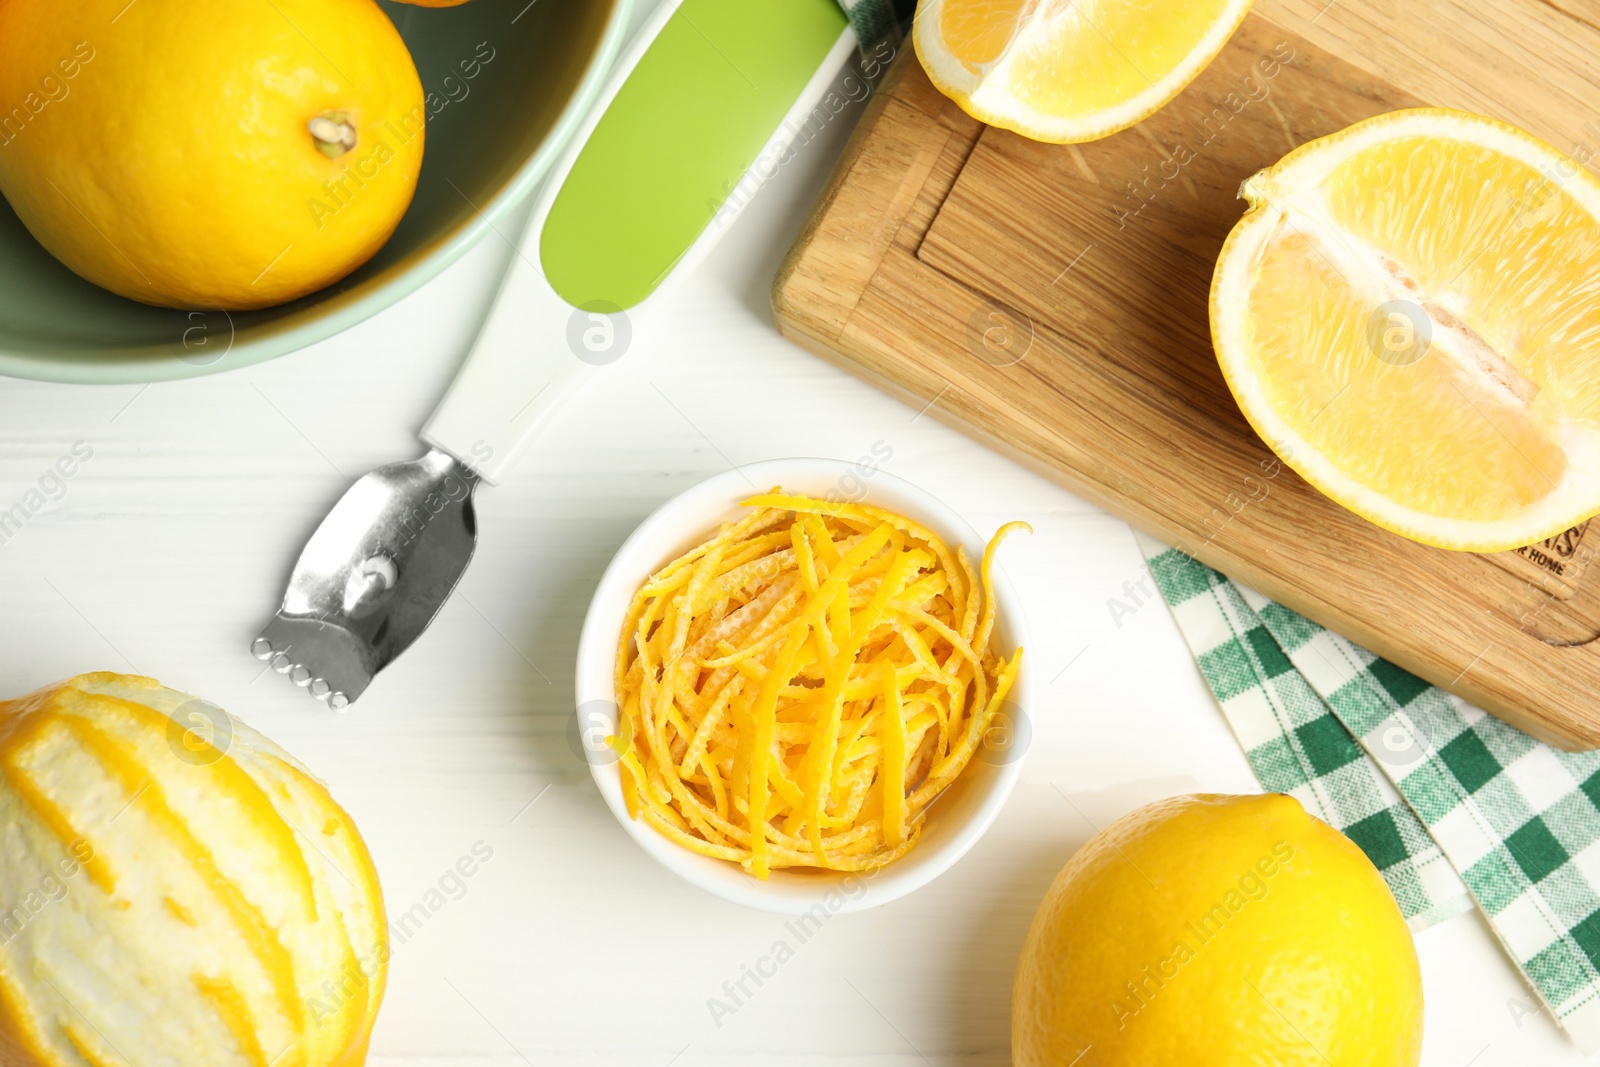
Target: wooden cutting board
[{"x": 1052, "y": 302}]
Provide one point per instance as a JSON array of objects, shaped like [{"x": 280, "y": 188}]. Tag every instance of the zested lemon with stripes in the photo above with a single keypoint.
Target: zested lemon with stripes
[{"x": 176, "y": 890}]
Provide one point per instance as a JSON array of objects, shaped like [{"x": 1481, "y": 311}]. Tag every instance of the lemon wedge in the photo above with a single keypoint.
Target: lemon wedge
[{"x": 1069, "y": 70}]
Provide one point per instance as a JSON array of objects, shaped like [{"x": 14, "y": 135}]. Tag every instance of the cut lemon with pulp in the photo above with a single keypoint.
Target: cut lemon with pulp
[
  {"x": 1069, "y": 70},
  {"x": 1409, "y": 313}
]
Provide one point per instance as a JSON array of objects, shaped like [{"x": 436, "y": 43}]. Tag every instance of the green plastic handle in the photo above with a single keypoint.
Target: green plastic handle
[{"x": 677, "y": 140}]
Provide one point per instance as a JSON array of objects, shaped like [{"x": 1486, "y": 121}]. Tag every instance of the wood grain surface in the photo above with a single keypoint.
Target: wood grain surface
[
  {"x": 572, "y": 947},
  {"x": 1052, "y": 301}
]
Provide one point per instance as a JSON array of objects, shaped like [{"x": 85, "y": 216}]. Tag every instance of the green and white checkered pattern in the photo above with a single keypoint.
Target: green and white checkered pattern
[
  {"x": 875, "y": 21},
  {"x": 1435, "y": 791}
]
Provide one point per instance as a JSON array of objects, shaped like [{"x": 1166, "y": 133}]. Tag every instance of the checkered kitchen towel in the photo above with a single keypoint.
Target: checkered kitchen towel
[
  {"x": 1435, "y": 791},
  {"x": 877, "y": 21}
]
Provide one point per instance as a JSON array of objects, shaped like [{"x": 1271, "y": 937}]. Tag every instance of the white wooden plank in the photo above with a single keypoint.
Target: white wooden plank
[{"x": 170, "y": 547}]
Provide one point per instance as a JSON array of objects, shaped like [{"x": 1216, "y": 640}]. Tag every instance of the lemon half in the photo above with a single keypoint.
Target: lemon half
[{"x": 1409, "y": 314}]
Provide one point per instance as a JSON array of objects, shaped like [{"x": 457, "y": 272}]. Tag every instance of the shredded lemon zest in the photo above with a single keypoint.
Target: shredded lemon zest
[{"x": 799, "y": 689}]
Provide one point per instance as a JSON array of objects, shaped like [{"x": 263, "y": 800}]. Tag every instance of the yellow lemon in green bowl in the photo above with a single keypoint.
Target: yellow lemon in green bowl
[
  {"x": 1218, "y": 931},
  {"x": 503, "y": 86},
  {"x": 211, "y": 158}
]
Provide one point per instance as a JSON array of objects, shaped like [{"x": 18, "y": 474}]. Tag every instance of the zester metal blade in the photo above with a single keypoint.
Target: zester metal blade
[{"x": 373, "y": 576}]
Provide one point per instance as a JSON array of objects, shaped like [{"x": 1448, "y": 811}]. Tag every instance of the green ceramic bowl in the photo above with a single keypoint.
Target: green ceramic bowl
[{"x": 492, "y": 141}]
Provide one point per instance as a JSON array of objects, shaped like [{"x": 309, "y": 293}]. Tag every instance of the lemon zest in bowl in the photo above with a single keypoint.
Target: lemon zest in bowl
[{"x": 819, "y": 670}]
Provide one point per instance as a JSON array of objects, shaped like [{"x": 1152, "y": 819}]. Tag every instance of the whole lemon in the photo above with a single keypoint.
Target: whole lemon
[
  {"x": 1218, "y": 931},
  {"x": 176, "y": 889},
  {"x": 214, "y": 156}
]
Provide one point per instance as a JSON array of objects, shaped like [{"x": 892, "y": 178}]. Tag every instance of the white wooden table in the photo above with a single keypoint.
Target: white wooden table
[{"x": 170, "y": 546}]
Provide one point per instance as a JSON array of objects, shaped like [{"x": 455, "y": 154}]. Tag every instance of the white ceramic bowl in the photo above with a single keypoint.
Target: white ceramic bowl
[{"x": 956, "y": 820}]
